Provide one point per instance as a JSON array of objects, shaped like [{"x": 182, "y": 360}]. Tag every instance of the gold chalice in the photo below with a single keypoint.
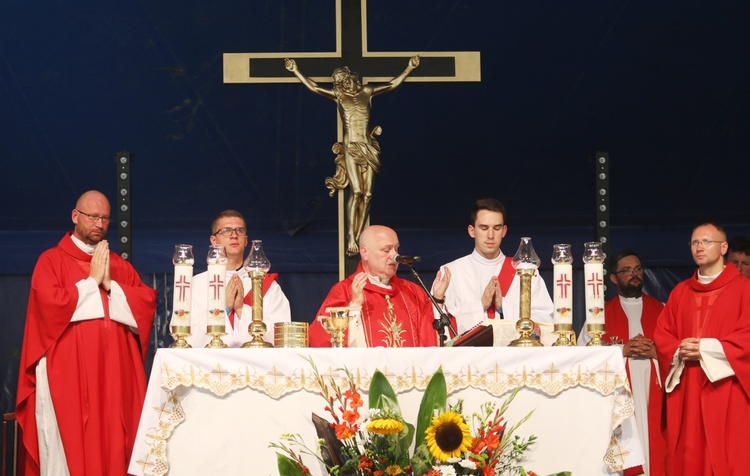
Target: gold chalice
[{"x": 335, "y": 324}]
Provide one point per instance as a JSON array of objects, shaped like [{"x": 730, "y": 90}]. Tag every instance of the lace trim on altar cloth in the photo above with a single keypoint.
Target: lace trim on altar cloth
[
  {"x": 497, "y": 381},
  {"x": 170, "y": 416}
]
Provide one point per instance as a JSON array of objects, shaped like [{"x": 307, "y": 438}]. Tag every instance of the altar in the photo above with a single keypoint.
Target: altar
[{"x": 215, "y": 411}]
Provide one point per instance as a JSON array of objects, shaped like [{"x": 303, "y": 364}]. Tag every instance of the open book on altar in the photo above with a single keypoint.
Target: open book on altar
[{"x": 498, "y": 333}]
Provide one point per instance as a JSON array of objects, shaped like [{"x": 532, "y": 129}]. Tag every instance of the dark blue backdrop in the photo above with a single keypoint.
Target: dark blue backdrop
[{"x": 661, "y": 86}]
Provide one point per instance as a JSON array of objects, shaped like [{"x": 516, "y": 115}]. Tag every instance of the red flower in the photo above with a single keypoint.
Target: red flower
[{"x": 365, "y": 463}]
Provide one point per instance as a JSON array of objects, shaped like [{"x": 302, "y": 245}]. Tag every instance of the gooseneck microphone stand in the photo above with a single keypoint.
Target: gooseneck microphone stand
[{"x": 444, "y": 321}]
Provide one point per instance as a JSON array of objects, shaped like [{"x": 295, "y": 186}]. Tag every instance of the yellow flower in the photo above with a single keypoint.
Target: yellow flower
[
  {"x": 393, "y": 470},
  {"x": 385, "y": 426},
  {"x": 448, "y": 436}
]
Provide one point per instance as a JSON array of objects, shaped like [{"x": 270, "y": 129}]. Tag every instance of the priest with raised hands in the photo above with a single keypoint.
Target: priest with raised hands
[
  {"x": 230, "y": 229},
  {"x": 82, "y": 380},
  {"x": 386, "y": 311}
]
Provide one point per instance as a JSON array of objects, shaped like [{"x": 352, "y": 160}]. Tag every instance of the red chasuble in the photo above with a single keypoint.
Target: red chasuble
[
  {"x": 616, "y": 325},
  {"x": 707, "y": 423},
  {"x": 397, "y": 317},
  {"x": 95, "y": 367}
]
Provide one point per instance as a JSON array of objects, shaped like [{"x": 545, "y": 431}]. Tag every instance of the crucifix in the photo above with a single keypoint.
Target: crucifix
[{"x": 352, "y": 52}]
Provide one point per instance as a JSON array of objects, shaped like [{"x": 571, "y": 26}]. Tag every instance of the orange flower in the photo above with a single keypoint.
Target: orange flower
[
  {"x": 355, "y": 399},
  {"x": 350, "y": 417},
  {"x": 343, "y": 431}
]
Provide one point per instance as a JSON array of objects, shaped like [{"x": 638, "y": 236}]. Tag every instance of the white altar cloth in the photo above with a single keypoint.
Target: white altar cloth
[{"x": 214, "y": 411}]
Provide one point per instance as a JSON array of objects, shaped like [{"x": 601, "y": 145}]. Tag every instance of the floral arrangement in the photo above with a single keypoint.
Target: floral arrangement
[{"x": 375, "y": 440}]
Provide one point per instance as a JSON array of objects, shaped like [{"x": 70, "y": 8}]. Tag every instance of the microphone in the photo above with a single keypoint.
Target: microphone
[{"x": 407, "y": 260}]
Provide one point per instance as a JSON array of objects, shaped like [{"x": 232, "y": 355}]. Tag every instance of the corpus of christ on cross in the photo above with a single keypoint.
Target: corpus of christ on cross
[{"x": 351, "y": 51}]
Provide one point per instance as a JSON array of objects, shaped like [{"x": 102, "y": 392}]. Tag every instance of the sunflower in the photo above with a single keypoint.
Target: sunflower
[
  {"x": 448, "y": 436},
  {"x": 385, "y": 426}
]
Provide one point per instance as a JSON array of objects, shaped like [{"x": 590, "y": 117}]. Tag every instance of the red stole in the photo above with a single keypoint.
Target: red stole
[
  {"x": 505, "y": 278},
  {"x": 616, "y": 325},
  {"x": 268, "y": 280}
]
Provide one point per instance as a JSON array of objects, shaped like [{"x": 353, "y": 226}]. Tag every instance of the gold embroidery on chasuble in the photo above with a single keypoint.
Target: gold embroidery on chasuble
[
  {"x": 390, "y": 327},
  {"x": 388, "y": 319}
]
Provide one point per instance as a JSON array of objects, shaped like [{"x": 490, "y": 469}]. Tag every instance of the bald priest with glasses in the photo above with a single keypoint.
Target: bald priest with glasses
[
  {"x": 229, "y": 229},
  {"x": 82, "y": 380}
]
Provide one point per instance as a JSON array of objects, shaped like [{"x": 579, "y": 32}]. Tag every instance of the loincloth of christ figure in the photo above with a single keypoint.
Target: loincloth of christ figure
[{"x": 358, "y": 155}]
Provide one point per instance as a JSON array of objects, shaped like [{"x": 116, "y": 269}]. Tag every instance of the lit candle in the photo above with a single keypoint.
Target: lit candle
[
  {"x": 217, "y": 275},
  {"x": 593, "y": 273},
  {"x": 183, "y": 277},
  {"x": 562, "y": 284}
]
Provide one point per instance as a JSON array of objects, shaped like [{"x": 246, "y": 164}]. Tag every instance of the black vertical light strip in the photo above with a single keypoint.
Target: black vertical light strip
[
  {"x": 601, "y": 166},
  {"x": 124, "y": 229}
]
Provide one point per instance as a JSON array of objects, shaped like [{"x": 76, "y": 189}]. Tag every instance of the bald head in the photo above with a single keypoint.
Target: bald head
[
  {"x": 377, "y": 246},
  {"x": 91, "y": 217},
  {"x": 90, "y": 197}
]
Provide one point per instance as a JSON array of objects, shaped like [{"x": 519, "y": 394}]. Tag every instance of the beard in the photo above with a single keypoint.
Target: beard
[{"x": 633, "y": 289}]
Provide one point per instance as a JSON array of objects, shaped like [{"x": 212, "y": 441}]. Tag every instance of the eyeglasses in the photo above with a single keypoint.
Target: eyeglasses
[
  {"x": 227, "y": 231},
  {"x": 637, "y": 269},
  {"x": 94, "y": 218},
  {"x": 705, "y": 243}
]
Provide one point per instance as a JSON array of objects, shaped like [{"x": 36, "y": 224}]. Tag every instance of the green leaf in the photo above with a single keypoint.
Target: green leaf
[
  {"x": 287, "y": 466},
  {"x": 381, "y": 396},
  {"x": 435, "y": 398},
  {"x": 382, "y": 393}
]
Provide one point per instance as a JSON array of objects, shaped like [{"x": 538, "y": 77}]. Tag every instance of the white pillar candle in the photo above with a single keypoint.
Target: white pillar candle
[
  {"x": 182, "y": 291},
  {"x": 593, "y": 274},
  {"x": 217, "y": 274},
  {"x": 563, "y": 293}
]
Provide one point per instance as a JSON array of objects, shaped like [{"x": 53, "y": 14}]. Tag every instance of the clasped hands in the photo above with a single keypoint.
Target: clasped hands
[
  {"x": 689, "y": 349},
  {"x": 99, "y": 269},
  {"x": 639, "y": 346},
  {"x": 235, "y": 295}
]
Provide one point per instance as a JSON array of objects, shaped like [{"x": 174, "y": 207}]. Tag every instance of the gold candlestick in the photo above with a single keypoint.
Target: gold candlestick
[
  {"x": 595, "y": 331},
  {"x": 216, "y": 333},
  {"x": 257, "y": 265},
  {"x": 257, "y": 328},
  {"x": 566, "y": 335},
  {"x": 525, "y": 262},
  {"x": 180, "y": 333}
]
